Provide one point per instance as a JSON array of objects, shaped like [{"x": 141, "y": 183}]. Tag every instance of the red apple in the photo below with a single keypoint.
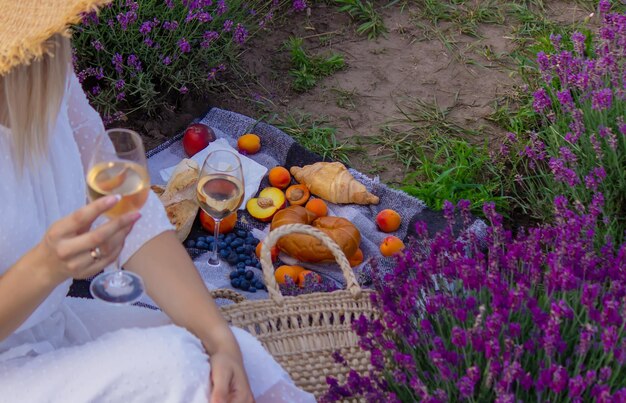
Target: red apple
[{"x": 197, "y": 136}]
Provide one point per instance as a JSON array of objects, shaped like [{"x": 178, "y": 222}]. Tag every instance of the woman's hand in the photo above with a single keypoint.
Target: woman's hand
[
  {"x": 70, "y": 248},
  {"x": 229, "y": 382}
]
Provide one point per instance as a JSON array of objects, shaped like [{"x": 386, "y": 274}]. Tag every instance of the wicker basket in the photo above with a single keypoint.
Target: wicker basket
[{"x": 302, "y": 332}]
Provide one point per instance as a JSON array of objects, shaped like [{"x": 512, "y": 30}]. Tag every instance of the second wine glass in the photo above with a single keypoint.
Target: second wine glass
[{"x": 220, "y": 190}]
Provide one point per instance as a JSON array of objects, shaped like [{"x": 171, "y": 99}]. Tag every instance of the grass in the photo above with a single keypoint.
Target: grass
[
  {"x": 345, "y": 99},
  {"x": 466, "y": 16},
  {"x": 439, "y": 163},
  {"x": 317, "y": 136},
  {"x": 371, "y": 22},
  {"x": 453, "y": 170},
  {"x": 307, "y": 69}
]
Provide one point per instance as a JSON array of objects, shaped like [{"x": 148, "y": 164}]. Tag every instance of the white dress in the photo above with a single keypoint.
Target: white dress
[{"x": 81, "y": 350}]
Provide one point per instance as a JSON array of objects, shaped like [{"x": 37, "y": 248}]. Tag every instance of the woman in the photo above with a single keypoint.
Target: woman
[{"x": 54, "y": 348}]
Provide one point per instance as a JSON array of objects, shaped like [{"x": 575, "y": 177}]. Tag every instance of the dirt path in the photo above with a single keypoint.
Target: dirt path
[{"x": 435, "y": 74}]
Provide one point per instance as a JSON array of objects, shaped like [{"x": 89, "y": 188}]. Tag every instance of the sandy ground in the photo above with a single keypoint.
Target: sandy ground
[{"x": 463, "y": 75}]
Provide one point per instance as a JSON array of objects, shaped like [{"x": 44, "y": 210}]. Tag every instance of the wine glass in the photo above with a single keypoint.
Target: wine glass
[
  {"x": 118, "y": 167},
  {"x": 220, "y": 190}
]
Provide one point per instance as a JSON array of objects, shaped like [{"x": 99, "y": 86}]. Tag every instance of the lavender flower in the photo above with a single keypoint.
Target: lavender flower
[
  {"x": 184, "y": 46},
  {"x": 221, "y": 7},
  {"x": 240, "y": 34},
  {"x": 517, "y": 276},
  {"x": 170, "y": 25},
  {"x": 119, "y": 84},
  {"x": 542, "y": 100},
  {"x": 208, "y": 37},
  {"x": 602, "y": 99},
  {"x": 228, "y": 25},
  {"x": 134, "y": 62},
  {"x": 145, "y": 28},
  {"x": 118, "y": 62},
  {"x": 97, "y": 45},
  {"x": 299, "y": 5}
]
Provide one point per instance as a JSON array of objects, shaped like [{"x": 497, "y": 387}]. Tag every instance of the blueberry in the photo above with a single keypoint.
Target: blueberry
[
  {"x": 241, "y": 233},
  {"x": 232, "y": 258},
  {"x": 258, "y": 265},
  {"x": 227, "y": 241},
  {"x": 248, "y": 262},
  {"x": 237, "y": 242},
  {"x": 200, "y": 239},
  {"x": 233, "y": 275},
  {"x": 210, "y": 238},
  {"x": 252, "y": 289},
  {"x": 239, "y": 249},
  {"x": 202, "y": 245},
  {"x": 244, "y": 285},
  {"x": 241, "y": 272},
  {"x": 230, "y": 236},
  {"x": 241, "y": 265},
  {"x": 255, "y": 242},
  {"x": 223, "y": 253},
  {"x": 248, "y": 241},
  {"x": 249, "y": 275},
  {"x": 220, "y": 237},
  {"x": 191, "y": 243},
  {"x": 235, "y": 283},
  {"x": 242, "y": 257},
  {"x": 221, "y": 244},
  {"x": 258, "y": 284}
]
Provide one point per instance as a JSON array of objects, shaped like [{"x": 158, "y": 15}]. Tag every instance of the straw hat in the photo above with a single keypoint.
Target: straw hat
[{"x": 25, "y": 25}]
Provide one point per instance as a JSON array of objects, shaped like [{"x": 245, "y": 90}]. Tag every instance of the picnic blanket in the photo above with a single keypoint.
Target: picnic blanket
[{"x": 279, "y": 148}]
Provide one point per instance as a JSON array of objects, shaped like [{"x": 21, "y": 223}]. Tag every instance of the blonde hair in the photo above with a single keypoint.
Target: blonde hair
[{"x": 31, "y": 97}]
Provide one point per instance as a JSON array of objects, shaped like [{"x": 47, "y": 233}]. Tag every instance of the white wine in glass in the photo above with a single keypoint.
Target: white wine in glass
[
  {"x": 220, "y": 190},
  {"x": 118, "y": 167}
]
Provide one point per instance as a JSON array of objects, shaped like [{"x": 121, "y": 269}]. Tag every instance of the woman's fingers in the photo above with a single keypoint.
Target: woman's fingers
[
  {"x": 81, "y": 218},
  {"x": 85, "y": 265},
  {"x": 105, "y": 233}
]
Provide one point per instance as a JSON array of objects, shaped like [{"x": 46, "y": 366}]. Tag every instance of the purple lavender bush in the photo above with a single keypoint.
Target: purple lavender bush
[
  {"x": 538, "y": 316},
  {"x": 135, "y": 54},
  {"x": 580, "y": 150}
]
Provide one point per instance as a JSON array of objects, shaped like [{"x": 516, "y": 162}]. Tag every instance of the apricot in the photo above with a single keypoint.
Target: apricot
[
  {"x": 279, "y": 177},
  {"x": 226, "y": 225},
  {"x": 391, "y": 245},
  {"x": 306, "y": 273},
  {"x": 388, "y": 220},
  {"x": 357, "y": 258},
  {"x": 297, "y": 195},
  {"x": 249, "y": 143},
  {"x": 274, "y": 251},
  {"x": 291, "y": 271},
  {"x": 318, "y": 207},
  {"x": 264, "y": 207}
]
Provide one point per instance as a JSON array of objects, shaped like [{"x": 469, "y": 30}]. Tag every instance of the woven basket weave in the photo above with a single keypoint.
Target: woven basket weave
[{"x": 302, "y": 332}]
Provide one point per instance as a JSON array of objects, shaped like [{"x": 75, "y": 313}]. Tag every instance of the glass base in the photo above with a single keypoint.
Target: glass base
[
  {"x": 214, "y": 260},
  {"x": 117, "y": 287}
]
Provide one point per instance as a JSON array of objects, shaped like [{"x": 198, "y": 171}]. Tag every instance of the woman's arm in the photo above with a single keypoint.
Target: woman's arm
[
  {"x": 63, "y": 253},
  {"x": 172, "y": 281}
]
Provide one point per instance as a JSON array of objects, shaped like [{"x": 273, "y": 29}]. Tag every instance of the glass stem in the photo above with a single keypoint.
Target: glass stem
[
  {"x": 214, "y": 259},
  {"x": 118, "y": 278}
]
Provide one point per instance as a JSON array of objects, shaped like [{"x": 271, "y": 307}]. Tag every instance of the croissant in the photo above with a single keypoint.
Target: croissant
[{"x": 333, "y": 182}]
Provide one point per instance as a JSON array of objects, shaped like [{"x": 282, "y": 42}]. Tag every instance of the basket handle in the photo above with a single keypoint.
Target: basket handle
[{"x": 268, "y": 267}]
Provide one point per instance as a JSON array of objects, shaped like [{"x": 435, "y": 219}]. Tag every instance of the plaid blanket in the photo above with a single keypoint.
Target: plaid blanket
[{"x": 279, "y": 148}]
